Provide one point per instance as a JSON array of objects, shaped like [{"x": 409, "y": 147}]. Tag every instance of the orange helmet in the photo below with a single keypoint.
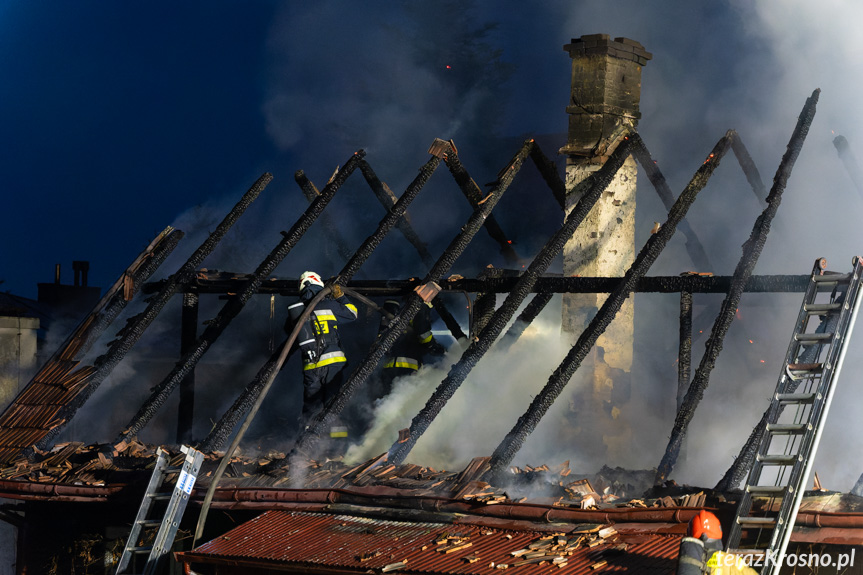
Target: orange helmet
[{"x": 705, "y": 523}]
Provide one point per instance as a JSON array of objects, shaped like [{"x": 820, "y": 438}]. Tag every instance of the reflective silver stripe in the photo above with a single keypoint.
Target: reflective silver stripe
[
  {"x": 425, "y": 337},
  {"x": 301, "y": 304},
  {"x": 324, "y": 315},
  {"x": 302, "y": 343}
]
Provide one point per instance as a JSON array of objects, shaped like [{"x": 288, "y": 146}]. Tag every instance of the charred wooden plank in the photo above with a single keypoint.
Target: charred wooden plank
[
  {"x": 751, "y": 251},
  {"x": 541, "y": 403}
]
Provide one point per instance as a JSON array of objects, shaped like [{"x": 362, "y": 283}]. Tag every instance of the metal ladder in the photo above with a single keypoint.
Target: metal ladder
[
  {"x": 787, "y": 450},
  {"x": 170, "y": 522}
]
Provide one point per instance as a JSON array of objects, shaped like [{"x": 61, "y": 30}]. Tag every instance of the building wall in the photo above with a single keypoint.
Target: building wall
[{"x": 17, "y": 355}]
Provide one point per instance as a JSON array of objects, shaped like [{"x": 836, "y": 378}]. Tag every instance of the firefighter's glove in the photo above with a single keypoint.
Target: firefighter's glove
[
  {"x": 310, "y": 356},
  {"x": 336, "y": 291},
  {"x": 435, "y": 348}
]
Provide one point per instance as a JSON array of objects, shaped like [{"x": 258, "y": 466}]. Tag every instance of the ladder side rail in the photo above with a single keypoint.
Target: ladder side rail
[
  {"x": 152, "y": 487},
  {"x": 844, "y": 328},
  {"x": 812, "y": 416},
  {"x": 745, "y": 505},
  {"x": 176, "y": 506}
]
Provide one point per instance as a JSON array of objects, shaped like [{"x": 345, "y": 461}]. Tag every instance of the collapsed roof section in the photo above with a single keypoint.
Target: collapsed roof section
[{"x": 31, "y": 422}]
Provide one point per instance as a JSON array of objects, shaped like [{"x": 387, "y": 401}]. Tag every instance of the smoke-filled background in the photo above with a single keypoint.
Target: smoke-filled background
[{"x": 119, "y": 120}]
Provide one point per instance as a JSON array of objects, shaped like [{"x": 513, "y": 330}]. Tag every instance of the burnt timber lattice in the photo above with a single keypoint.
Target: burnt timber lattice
[{"x": 17, "y": 433}]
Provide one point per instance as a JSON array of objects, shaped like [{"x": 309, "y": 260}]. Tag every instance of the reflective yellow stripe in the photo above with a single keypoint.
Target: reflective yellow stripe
[
  {"x": 338, "y": 431},
  {"x": 426, "y": 337},
  {"x": 352, "y": 307},
  {"x": 327, "y": 359},
  {"x": 325, "y": 315},
  {"x": 405, "y": 362}
]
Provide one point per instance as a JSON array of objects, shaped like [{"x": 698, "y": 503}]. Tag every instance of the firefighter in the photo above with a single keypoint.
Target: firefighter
[
  {"x": 701, "y": 550},
  {"x": 406, "y": 355},
  {"x": 318, "y": 341}
]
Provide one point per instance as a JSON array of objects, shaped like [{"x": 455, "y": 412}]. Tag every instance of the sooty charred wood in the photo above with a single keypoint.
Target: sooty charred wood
[
  {"x": 387, "y": 200},
  {"x": 693, "y": 245},
  {"x": 310, "y": 191},
  {"x": 541, "y": 403},
  {"x": 188, "y": 335},
  {"x": 548, "y": 171},
  {"x": 524, "y": 319},
  {"x": 749, "y": 169},
  {"x": 118, "y": 348},
  {"x": 221, "y": 432},
  {"x": 400, "y": 322},
  {"x": 786, "y": 283},
  {"x": 589, "y": 191},
  {"x": 850, "y": 162},
  {"x": 132, "y": 281},
  {"x": 684, "y": 354},
  {"x": 474, "y": 195},
  {"x": 751, "y": 250},
  {"x": 236, "y": 303},
  {"x": 394, "y": 214}
]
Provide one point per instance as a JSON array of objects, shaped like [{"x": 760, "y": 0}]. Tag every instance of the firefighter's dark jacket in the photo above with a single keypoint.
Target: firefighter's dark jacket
[
  {"x": 409, "y": 349},
  {"x": 319, "y": 336}
]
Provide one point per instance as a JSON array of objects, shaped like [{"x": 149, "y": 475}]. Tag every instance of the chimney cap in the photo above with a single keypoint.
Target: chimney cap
[{"x": 602, "y": 45}]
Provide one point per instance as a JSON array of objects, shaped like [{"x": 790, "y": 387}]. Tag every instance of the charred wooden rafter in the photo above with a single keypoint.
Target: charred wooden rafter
[
  {"x": 530, "y": 312},
  {"x": 188, "y": 336},
  {"x": 400, "y": 322},
  {"x": 589, "y": 191},
  {"x": 249, "y": 396},
  {"x": 751, "y": 250},
  {"x": 56, "y": 381},
  {"x": 474, "y": 195},
  {"x": 541, "y": 403},
  {"x": 235, "y": 304},
  {"x": 135, "y": 327},
  {"x": 684, "y": 355},
  {"x": 749, "y": 169},
  {"x": 311, "y": 193},
  {"x": 696, "y": 251},
  {"x": 387, "y": 199},
  {"x": 850, "y": 162},
  {"x": 780, "y": 283}
]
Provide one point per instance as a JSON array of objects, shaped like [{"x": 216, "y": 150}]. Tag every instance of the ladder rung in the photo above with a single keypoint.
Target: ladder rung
[
  {"x": 770, "y": 490},
  {"x": 832, "y": 278},
  {"x": 761, "y": 521},
  {"x": 149, "y": 522},
  {"x": 777, "y": 459},
  {"x": 159, "y": 496},
  {"x": 748, "y": 551},
  {"x": 813, "y": 337},
  {"x": 795, "y": 397},
  {"x": 169, "y": 470},
  {"x": 145, "y": 549},
  {"x": 787, "y": 428},
  {"x": 821, "y": 308}
]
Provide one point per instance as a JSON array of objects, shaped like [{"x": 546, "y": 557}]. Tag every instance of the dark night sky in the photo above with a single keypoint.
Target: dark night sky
[{"x": 119, "y": 119}]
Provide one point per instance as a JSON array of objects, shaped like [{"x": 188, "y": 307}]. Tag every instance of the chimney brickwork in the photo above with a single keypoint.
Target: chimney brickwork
[{"x": 604, "y": 105}]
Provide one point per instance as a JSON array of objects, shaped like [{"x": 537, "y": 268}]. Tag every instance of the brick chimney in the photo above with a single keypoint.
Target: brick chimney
[{"x": 604, "y": 98}]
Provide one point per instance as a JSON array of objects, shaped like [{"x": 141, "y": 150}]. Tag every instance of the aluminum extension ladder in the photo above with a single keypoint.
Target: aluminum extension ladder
[
  {"x": 168, "y": 524},
  {"x": 785, "y": 455}
]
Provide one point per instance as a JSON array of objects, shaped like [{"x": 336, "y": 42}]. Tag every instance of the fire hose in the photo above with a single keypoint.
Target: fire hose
[{"x": 283, "y": 355}]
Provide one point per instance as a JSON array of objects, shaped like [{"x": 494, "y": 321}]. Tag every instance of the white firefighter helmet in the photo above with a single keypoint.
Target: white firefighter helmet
[{"x": 310, "y": 278}]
